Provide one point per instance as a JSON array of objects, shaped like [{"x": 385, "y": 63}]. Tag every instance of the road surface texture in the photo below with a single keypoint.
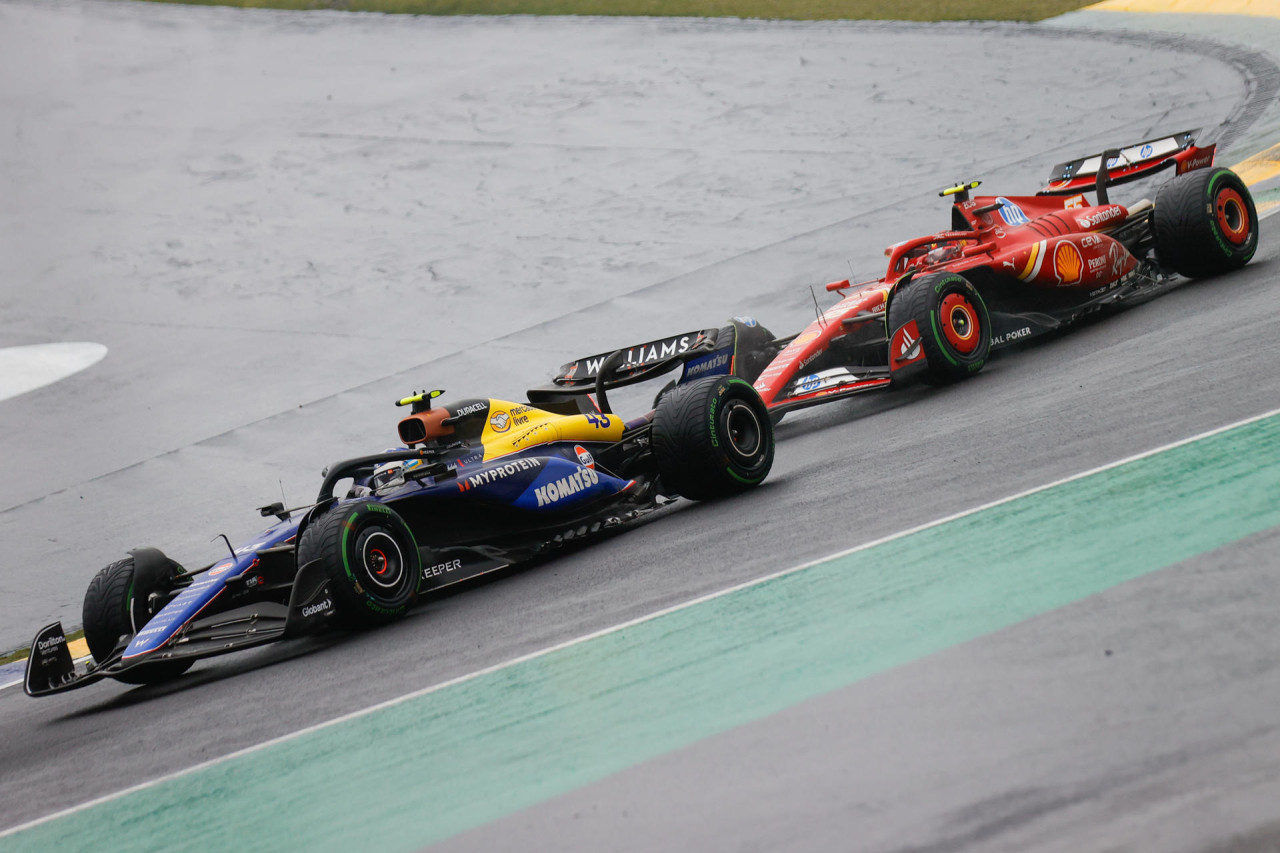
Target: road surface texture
[{"x": 277, "y": 224}]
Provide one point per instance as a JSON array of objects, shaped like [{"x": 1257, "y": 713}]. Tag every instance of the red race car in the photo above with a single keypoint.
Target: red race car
[{"x": 1012, "y": 267}]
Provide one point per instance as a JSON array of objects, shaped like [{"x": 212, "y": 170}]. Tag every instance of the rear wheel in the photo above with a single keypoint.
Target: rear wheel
[
  {"x": 371, "y": 559},
  {"x": 712, "y": 438},
  {"x": 951, "y": 321},
  {"x": 1205, "y": 223},
  {"x": 118, "y": 604}
]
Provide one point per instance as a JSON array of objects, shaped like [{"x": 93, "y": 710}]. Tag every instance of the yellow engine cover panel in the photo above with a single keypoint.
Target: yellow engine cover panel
[{"x": 518, "y": 426}]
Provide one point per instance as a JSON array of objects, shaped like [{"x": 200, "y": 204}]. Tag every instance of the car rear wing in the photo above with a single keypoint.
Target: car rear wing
[
  {"x": 626, "y": 366},
  {"x": 1129, "y": 163}
]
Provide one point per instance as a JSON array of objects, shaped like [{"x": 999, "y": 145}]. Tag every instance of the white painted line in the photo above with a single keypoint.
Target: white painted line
[
  {"x": 603, "y": 632},
  {"x": 27, "y": 368}
]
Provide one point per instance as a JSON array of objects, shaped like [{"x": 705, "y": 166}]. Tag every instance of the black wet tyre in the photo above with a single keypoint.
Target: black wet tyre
[
  {"x": 371, "y": 559},
  {"x": 952, "y": 321},
  {"x": 754, "y": 348},
  {"x": 1205, "y": 223},
  {"x": 712, "y": 438},
  {"x": 117, "y": 604}
]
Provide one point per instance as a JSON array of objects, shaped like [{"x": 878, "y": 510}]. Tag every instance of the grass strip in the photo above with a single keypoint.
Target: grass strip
[{"x": 799, "y": 10}]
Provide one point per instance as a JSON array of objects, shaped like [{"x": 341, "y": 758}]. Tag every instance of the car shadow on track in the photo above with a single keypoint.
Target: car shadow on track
[{"x": 230, "y": 667}]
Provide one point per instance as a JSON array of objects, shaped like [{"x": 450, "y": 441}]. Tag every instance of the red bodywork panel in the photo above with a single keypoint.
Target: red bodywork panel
[{"x": 1054, "y": 245}]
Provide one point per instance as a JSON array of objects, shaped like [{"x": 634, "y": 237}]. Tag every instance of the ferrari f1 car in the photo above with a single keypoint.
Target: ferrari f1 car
[
  {"x": 479, "y": 484},
  {"x": 1009, "y": 268}
]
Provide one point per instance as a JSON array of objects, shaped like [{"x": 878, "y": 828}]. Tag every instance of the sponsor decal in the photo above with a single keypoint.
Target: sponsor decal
[
  {"x": 159, "y": 629},
  {"x": 441, "y": 568},
  {"x": 49, "y": 643},
  {"x": 643, "y": 354},
  {"x": 1088, "y": 241},
  {"x": 1075, "y": 201},
  {"x": 1117, "y": 254},
  {"x": 219, "y": 570},
  {"x": 809, "y": 359},
  {"x": 749, "y": 322},
  {"x": 1096, "y": 264},
  {"x": 501, "y": 422},
  {"x": 1011, "y": 213},
  {"x": 804, "y": 338},
  {"x": 1101, "y": 217},
  {"x": 585, "y": 459},
  {"x": 254, "y": 581},
  {"x": 566, "y": 486},
  {"x": 707, "y": 365},
  {"x": 498, "y": 472},
  {"x": 319, "y": 607},
  {"x": 470, "y": 410},
  {"x": 1145, "y": 151},
  {"x": 1067, "y": 263},
  {"x": 908, "y": 346},
  {"x": 1009, "y": 338},
  {"x": 825, "y": 382},
  {"x": 1107, "y": 288},
  {"x": 1194, "y": 163}
]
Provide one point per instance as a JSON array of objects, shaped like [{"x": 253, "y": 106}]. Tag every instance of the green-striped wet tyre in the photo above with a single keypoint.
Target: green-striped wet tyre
[
  {"x": 1205, "y": 223},
  {"x": 712, "y": 438},
  {"x": 118, "y": 604},
  {"x": 370, "y": 558},
  {"x": 954, "y": 326}
]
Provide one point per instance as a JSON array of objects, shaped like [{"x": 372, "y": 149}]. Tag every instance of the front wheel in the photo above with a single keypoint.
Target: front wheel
[
  {"x": 712, "y": 438},
  {"x": 118, "y": 603},
  {"x": 371, "y": 559},
  {"x": 1205, "y": 223},
  {"x": 951, "y": 326}
]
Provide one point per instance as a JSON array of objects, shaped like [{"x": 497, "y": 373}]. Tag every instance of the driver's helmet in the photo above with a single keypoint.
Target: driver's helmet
[
  {"x": 391, "y": 473},
  {"x": 387, "y": 474}
]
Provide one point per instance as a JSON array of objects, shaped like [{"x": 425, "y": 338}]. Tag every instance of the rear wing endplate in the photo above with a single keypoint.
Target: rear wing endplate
[{"x": 1130, "y": 163}]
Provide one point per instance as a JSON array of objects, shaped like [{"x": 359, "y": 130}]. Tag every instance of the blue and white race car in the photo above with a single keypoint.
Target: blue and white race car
[{"x": 478, "y": 485}]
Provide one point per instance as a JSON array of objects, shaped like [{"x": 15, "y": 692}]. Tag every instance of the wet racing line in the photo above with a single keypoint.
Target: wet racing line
[{"x": 694, "y": 670}]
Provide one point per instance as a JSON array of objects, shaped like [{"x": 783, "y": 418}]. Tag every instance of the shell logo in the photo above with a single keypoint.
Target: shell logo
[{"x": 1067, "y": 263}]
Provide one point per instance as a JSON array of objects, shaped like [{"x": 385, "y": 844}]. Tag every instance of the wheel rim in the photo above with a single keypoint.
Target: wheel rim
[
  {"x": 960, "y": 323},
  {"x": 380, "y": 555},
  {"x": 743, "y": 428},
  {"x": 1233, "y": 216}
]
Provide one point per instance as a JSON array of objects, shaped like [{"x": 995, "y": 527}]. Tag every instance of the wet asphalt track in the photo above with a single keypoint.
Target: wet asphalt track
[{"x": 277, "y": 224}]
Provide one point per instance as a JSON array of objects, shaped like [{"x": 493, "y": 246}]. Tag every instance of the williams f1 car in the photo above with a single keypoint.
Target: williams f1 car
[
  {"x": 478, "y": 485},
  {"x": 1008, "y": 269}
]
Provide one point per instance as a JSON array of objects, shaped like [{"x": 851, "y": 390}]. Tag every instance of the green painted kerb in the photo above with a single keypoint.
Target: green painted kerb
[{"x": 439, "y": 764}]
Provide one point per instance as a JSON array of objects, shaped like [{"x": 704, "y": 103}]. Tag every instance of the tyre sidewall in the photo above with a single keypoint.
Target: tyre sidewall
[
  {"x": 923, "y": 302},
  {"x": 1189, "y": 237},
  {"x": 116, "y": 604},
  {"x": 712, "y": 438},
  {"x": 343, "y": 540},
  {"x": 1233, "y": 256}
]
